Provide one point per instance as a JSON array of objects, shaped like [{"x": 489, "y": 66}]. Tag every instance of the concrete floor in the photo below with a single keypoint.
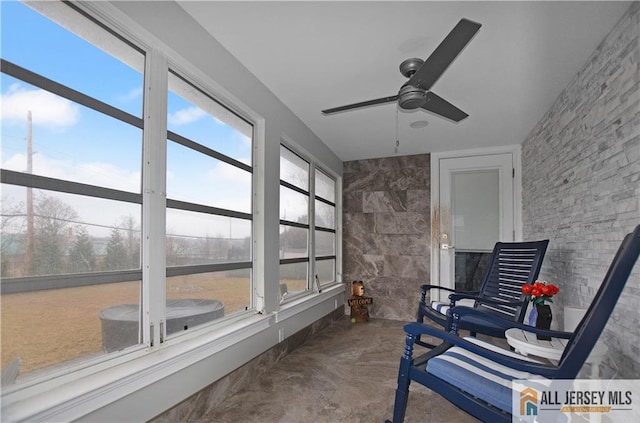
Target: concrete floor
[{"x": 346, "y": 373}]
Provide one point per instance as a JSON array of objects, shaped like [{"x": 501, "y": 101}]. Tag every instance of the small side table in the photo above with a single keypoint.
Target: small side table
[{"x": 527, "y": 343}]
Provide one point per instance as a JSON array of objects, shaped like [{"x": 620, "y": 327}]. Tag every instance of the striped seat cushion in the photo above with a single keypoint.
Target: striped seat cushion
[
  {"x": 442, "y": 307},
  {"x": 478, "y": 376}
]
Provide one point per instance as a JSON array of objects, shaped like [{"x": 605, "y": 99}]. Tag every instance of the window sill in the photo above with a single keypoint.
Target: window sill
[{"x": 140, "y": 384}]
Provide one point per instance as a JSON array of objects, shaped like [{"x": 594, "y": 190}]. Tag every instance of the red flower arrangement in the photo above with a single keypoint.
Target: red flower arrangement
[{"x": 540, "y": 292}]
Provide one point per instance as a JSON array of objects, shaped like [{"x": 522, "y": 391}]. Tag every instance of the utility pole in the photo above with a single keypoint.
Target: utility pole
[{"x": 30, "y": 227}]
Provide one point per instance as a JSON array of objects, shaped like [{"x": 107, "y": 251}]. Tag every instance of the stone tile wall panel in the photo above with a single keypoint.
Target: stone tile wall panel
[
  {"x": 581, "y": 173},
  {"x": 386, "y": 236}
]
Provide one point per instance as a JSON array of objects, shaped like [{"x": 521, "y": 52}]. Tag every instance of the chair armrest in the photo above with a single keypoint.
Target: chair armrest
[
  {"x": 427, "y": 287},
  {"x": 424, "y": 288},
  {"x": 456, "y": 297},
  {"x": 417, "y": 329},
  {"x": 459, "y": 313}
]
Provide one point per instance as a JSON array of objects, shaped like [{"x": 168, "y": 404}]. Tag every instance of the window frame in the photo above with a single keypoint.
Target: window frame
[
  {"x": 89, "y": 24},
  {"x": 327, "y": 229},
  {"x": 313, "y": 283},
  {"x": 182, "y": 270}
]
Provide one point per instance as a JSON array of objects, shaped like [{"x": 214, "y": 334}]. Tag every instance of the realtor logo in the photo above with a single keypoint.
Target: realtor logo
[
  {"x": 528, "y": 402},
  {"x": 552, "y": 400}
]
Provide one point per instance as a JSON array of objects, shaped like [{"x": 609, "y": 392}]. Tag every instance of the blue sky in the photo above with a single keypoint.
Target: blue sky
[{"x": 75, "y": 143}]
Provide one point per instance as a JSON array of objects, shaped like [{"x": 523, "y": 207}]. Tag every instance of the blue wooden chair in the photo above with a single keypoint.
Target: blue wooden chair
[
  {"x": 476, "y": 376},
  {"x": 512, "y": 265}
]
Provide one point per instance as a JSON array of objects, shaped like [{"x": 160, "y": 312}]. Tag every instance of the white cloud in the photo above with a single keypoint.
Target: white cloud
[
  {"x": 185, "y": 116},
  {"x": 244, "y": 139},
  {"x": 134, "y": 94},
  {"x": 107, "y": 174},
  {"x": 46, "y": 109},
  {"x": 225, "y": 173},
  {"x": 232, "y": 187},
  {"x": 93, "y": 173}
]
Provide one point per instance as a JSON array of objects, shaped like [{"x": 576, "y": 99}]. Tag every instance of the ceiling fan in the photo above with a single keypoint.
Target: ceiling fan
[{"x": 423, "y": 74}]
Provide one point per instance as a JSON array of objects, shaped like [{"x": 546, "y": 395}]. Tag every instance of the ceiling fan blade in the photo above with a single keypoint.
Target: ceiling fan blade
[
  {"x": 444, "y": 54},
  {"x": 361, "y": 104},
  {"x": 438, "y": 105}
]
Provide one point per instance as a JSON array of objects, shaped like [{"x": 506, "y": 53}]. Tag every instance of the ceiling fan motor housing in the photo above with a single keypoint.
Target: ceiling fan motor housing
[
  {"x": 410, "y": 66},
  {"x": 411, "y": 97}
]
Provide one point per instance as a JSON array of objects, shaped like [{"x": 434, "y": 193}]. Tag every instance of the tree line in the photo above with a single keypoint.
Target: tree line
[{"x": 62, "y": 243}]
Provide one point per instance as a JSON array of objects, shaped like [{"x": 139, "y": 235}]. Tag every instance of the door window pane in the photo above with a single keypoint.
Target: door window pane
[
  {"x": 476, "y": 209},
  {"x": 470, "y": 269},
  {"x": 476, "y": 224}
]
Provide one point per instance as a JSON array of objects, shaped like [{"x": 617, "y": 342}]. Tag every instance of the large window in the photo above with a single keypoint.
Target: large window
[
  {"x": 307, "y": 228},
  {"x": 76, "y": 230},
  {"x": 209, "y": 173},
  {"x": 72, "y": 134},
  {"x": 325, "y": 227}
]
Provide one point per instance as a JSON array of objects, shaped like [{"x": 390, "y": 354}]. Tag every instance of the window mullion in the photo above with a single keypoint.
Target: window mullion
[
  {"x": 154, "y": 163},
  {"x": 312, "y": 225}
]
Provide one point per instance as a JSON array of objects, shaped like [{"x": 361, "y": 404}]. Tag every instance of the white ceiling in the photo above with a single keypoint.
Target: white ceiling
[{"x": 318, "y": 55}]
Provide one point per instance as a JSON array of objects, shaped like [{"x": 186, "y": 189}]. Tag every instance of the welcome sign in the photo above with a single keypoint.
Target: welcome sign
[{"x": 543, "y": 400}]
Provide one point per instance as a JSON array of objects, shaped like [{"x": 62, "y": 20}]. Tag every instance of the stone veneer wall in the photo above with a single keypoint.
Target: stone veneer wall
[
  {"x": 196, "y": 407},
  {"x": 386, "y": 231},
  {"x": 581, "y": 185}
]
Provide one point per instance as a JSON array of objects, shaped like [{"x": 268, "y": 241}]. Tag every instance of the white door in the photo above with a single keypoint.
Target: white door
[{"x": 475, "y": 210}]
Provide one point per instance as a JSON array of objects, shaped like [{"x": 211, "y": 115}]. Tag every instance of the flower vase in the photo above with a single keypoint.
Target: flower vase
[
  {"x": 543, "y": 319},
  {"x": 533, "y": 315}
]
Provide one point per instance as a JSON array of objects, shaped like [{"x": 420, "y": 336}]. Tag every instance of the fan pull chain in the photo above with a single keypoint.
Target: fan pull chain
[{"x": 397, "y": 131}]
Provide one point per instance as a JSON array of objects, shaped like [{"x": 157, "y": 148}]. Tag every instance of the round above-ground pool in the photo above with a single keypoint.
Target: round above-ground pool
[{"x": 120, "y": 324}]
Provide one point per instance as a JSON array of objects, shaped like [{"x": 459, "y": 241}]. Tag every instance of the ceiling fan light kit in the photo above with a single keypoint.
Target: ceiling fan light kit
[
  {"x": 419, "y": 124},
  {"x": 415, "y": 93}
]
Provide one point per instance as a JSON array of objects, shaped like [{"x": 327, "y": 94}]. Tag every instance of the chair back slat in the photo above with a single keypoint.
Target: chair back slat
[
  {"x": 513, "y": 264},
  {"x": 595, "y": 318}
]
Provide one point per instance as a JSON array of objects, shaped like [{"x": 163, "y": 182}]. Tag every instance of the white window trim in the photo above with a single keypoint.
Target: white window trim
[
  {"x": 295, "y": 148},
  {"x": 110, "y": 387},
  {"x": 154, "y": 200}
]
